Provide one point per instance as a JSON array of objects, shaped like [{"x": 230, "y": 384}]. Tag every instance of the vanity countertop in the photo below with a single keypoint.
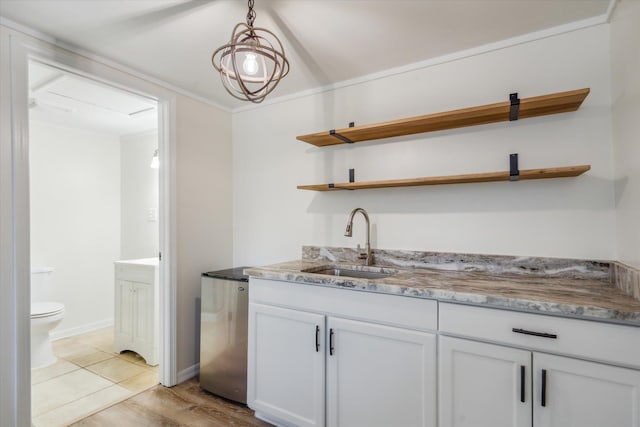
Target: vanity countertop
[
  {"x": 591, "y": 298},
  {"x": 141, "y": 261}
]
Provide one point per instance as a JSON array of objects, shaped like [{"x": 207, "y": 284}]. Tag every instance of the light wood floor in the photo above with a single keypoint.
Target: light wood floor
[{"x": 183, "y": 405}]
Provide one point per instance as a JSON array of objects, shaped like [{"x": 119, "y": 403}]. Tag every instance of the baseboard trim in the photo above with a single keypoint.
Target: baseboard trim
[
  {"x": 77, "y": 330},
  {"x": 188, "y": 373}
]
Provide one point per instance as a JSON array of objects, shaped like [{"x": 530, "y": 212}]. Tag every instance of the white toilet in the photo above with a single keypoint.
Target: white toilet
[{"x": 45, "y": 316}]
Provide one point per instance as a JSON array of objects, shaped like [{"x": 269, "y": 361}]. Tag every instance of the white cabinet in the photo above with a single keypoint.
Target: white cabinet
[
  {"x": 584, "y": 394},
  {"x": 490, "y": 385},
  {"x": 320, "y": 356},
  {"x": 483, "y": 385},
  {"x": 325, "y": 356},
  {"x": 137, "y": 308},
  {"x": 379, "y": 375},
  {"x": 286, "y": 364}
]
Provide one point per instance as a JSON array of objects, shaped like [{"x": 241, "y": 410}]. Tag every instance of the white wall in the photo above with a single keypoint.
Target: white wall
[
  {"x": 75, "y": 219},
  {"x": 139, "y": 195},
  {"x": 203, "y": 209},
  {"x": 625, "y": 87},
  {"x": 558, "y": 218}
]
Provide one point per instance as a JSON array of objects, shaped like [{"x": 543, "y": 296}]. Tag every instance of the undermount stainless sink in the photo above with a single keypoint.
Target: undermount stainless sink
[{"x": 359, "y": 273}]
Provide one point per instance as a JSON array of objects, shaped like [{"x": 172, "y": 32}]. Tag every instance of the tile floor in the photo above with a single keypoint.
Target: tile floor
[{"x": 87, "y": 377}]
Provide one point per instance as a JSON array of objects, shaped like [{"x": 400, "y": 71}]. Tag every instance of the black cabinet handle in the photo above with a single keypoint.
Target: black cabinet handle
[
  {"x": 522, "y": 382},
  {"x": 535, "y": 334},
  {"x": 317, "y": 338},
  {"x": 331, "y": 342},
  {"x": 543, "y": 396}
]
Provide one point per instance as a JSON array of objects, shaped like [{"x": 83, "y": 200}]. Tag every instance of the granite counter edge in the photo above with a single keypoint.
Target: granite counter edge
[{"x": 574, "y": 311}]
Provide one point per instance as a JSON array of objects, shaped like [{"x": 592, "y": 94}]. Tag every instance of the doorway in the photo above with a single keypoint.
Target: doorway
[
  {"x": 17, "y": 49},
  {"x": 93, "y": 178}
]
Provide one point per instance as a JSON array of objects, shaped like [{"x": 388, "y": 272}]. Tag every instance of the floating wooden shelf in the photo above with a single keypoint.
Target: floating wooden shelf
[
  {"x": 561, "y": 172},
  {"x": 554, "y": 103}
]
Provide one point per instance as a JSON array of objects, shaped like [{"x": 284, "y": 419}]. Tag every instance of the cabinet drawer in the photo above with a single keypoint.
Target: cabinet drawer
[
  {"x": 135, "y": 273},
  {"x": 604, "y": 342},
  {"x": 394, "y": 310}
]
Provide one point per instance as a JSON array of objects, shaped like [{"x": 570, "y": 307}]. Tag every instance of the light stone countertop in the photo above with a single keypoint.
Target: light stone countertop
[{"x": 589, "y": 298}]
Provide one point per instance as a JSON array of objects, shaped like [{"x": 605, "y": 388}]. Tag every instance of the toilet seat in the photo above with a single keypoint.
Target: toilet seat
[{"x": 46, "y": 309}]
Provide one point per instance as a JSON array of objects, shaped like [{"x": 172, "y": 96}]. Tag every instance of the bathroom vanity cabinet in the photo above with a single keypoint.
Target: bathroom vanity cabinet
[{"x": 137, "y": 308}]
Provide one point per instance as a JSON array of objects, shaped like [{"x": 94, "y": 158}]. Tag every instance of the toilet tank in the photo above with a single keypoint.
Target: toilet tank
[{"x": 41, "y": 286}]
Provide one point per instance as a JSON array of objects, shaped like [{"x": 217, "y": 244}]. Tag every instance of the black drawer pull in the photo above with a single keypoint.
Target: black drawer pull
[
  {"x": 522, "y": 380},
  {"x": 331, "y": 342},
  {"x": 543, "y": 396},
  {"x": 317, "y": 338},
  {"x": 535, "y": 334}
]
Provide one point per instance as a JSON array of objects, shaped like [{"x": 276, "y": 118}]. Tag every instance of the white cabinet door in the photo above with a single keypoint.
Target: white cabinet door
[
  {"x": 142, "y": 294},
  {"x": 379, "y": 375},
  {"x": 483, "y": 385},
  {"x": 123, "y": 314},
  {"x": 135, "y": 323},
  {"x": 136, "y": 310},
  {"x": 286, "y": 365},
  {"x": 584, "y": 394}
]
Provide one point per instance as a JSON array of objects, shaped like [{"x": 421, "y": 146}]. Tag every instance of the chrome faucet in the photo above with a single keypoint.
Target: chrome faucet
[{"x": 348, "y": 233}]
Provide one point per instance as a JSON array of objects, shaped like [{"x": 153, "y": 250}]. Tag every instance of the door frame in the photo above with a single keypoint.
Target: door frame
[{"x": 16, "y": 49}]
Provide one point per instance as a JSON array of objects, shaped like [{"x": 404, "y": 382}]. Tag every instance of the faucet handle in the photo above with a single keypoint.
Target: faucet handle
[{"x": 361, "y": 255}]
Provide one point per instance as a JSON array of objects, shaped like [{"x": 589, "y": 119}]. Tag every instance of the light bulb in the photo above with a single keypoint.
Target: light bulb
[{"x": 250, "y": 64}]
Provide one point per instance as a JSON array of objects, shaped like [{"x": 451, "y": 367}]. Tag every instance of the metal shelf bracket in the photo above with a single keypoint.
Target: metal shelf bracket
[
  {"x": 514, "y": 172},
  {"x": 515, "y": 107},
  {"x": 342, "y": 138}
]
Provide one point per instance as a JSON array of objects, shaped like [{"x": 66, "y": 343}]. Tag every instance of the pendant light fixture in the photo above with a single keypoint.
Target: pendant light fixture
[{"x": 252, "y": 64}]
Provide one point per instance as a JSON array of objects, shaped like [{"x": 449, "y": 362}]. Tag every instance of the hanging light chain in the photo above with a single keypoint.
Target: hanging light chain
[{"x": 251, "y": 14}]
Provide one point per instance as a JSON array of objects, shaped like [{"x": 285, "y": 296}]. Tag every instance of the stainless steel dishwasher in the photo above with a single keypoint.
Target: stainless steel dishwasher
[{"x": 223, "y": 333}]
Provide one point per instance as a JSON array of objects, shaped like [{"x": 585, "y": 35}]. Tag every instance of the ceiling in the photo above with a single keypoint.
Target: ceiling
[
  {"x": 64, "y": 99},
  {"x": 326, "y": 41}
]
